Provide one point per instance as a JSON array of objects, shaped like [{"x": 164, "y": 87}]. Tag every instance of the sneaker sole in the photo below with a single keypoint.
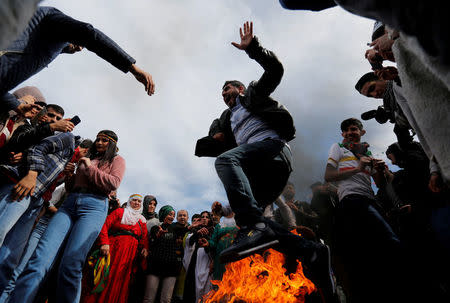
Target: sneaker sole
[{"x": 245, "y": 253}]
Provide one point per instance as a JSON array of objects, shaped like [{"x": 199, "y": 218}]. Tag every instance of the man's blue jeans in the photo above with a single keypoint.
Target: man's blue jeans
[
  {"x": 11, "y": 211},
  {"x": 78, "y": 222},
  {"x": 16, "y": 241},
  {"x": 30, "y": 247},
  {"x": 254, "y": 175}
]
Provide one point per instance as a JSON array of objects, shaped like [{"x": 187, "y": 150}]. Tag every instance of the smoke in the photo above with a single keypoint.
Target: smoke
[{"x": 308, "y": 167}]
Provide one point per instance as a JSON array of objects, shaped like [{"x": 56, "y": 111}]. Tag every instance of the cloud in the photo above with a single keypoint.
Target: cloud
[{"x": 185, "y": 45}]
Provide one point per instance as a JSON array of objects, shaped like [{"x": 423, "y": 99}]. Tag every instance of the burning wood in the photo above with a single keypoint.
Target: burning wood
[{"x": 261, "y": 279}]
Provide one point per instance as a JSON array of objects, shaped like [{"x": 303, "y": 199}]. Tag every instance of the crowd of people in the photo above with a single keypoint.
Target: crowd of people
[
  {"x": 66, "y": 237},
  {"x": 401, "y": 232}
]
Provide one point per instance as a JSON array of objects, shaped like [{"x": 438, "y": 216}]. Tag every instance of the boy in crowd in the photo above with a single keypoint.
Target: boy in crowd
[{"x": 364, "y": 242}]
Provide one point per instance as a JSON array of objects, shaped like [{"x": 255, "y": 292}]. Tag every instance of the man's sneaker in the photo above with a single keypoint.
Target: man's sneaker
[
  {"x": 318, "y": 270},
  {"x": 249, "y": 241}
]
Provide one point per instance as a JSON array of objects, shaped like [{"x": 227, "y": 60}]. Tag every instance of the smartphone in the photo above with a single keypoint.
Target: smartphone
[{"x": 75, "y": 120}]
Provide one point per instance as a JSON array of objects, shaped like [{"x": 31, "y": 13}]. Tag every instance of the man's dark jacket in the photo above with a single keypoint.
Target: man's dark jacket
[
  {"x": 256, "y": 100},
  {"x": 425, "y": 20},
  {"x": 24, "y": 137}
]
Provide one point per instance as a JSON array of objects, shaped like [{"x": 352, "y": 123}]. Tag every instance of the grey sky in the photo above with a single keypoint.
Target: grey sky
[{"x": 185, "y": 45}]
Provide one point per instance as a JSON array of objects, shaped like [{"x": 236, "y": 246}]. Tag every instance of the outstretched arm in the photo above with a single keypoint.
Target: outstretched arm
[
  {"x": 273, "y": 69},
  {"x": 81, "y": 34}
]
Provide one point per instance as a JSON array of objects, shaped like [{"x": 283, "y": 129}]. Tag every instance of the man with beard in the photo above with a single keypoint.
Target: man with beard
[{"x": 254, "y": 162}]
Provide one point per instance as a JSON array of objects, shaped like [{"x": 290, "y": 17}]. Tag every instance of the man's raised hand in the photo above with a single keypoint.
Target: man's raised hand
[{"x": 246, "y": 36}]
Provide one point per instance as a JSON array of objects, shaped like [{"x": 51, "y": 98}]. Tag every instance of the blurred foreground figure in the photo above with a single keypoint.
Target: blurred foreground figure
[
  {"x": 14, "y": 16},
  {"x": 417, "y": 36},
  {"x": 48, "y": 34}
]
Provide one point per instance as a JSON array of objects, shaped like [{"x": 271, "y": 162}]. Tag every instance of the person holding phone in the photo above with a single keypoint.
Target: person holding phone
[
  {"x": 76, "y": 224},
  {"x": 51, "y": 120}
]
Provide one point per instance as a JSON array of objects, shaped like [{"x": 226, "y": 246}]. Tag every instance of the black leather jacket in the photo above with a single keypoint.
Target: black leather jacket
[
  {"x": 256, "y": 100},
  {"x": 24, "y": 137}
]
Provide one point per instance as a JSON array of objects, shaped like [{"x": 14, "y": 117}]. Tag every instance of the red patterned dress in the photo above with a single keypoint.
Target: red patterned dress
[{"x": 126, "y": 243}]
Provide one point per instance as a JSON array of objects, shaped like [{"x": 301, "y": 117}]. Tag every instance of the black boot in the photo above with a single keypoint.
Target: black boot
[{"x": 250, "y": 240}]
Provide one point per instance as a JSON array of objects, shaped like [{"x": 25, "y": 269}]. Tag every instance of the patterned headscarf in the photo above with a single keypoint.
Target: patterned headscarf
[
  {"x": 130, "y": 215},
  {"x": 164, "y": 211}
]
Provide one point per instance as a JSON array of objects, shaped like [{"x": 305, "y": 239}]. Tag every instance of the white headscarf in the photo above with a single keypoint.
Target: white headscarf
[
  {"x": 130, "y": 215},
  {"x": 227, "y": 222}
]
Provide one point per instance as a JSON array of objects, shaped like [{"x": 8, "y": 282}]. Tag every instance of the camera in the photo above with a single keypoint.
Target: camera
[
  {"x": 377, "y": 62},
  {"x": 380, "y": 115},
  {"x": 376, "y": 65}
]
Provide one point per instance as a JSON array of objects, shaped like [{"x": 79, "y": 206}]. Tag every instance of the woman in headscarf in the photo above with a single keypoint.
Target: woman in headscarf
[
  {"x": 137, "y": 288},
  {"x": 149, "y": 211},
  {"x": 222, "y": 237},
  {"x": 75, "y": 226},
  {"x": 197, "y": 260},
  {"x": 124, "y": 238},
  {"x": 164, "y": 263}
]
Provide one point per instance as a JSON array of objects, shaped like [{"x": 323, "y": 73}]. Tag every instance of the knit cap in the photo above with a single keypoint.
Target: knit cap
[{"x": 30, "y": 90}]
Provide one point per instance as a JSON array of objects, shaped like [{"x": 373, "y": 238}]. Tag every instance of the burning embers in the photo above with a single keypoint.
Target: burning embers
[{"x": 261, "y": 279}]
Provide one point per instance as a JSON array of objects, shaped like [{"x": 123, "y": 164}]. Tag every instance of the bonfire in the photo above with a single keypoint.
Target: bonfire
[{"x": 261, "y": 279}]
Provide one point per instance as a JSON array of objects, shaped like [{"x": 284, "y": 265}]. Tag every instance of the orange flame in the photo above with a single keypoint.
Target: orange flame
[{"x": 260, "y": 279}]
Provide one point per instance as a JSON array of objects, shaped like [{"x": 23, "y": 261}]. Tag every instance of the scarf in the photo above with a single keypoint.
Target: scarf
[
  {"x": 7, "y": 130},
  {"x": 358, "y": 149},
  {"x": 164, "y": 211},
  {"x": 100, "y": 270},
  {"x": 145, "y": 212},
  {"x": 227, "y": 222},
  {"x": 130, "y": 215}
]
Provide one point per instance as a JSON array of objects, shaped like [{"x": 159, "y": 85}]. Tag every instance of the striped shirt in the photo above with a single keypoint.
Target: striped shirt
[{"x": 360, "y": 183}]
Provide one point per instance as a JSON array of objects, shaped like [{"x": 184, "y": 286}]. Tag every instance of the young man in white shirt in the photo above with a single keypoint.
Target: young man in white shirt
[{"x": 365, "y": 244}]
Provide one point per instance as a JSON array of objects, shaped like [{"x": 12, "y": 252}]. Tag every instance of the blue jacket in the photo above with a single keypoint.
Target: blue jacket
[{"x": 47, "y": 34}]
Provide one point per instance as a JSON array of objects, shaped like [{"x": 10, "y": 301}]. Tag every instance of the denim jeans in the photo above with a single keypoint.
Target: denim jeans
[
  {"x": 77, "y": 223},
  {"x": 33, "y": 241},
  {"x": 254, "y": 175},
  {"x": 11, "y": 211},
  {"x": 15, "y": 242}
]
